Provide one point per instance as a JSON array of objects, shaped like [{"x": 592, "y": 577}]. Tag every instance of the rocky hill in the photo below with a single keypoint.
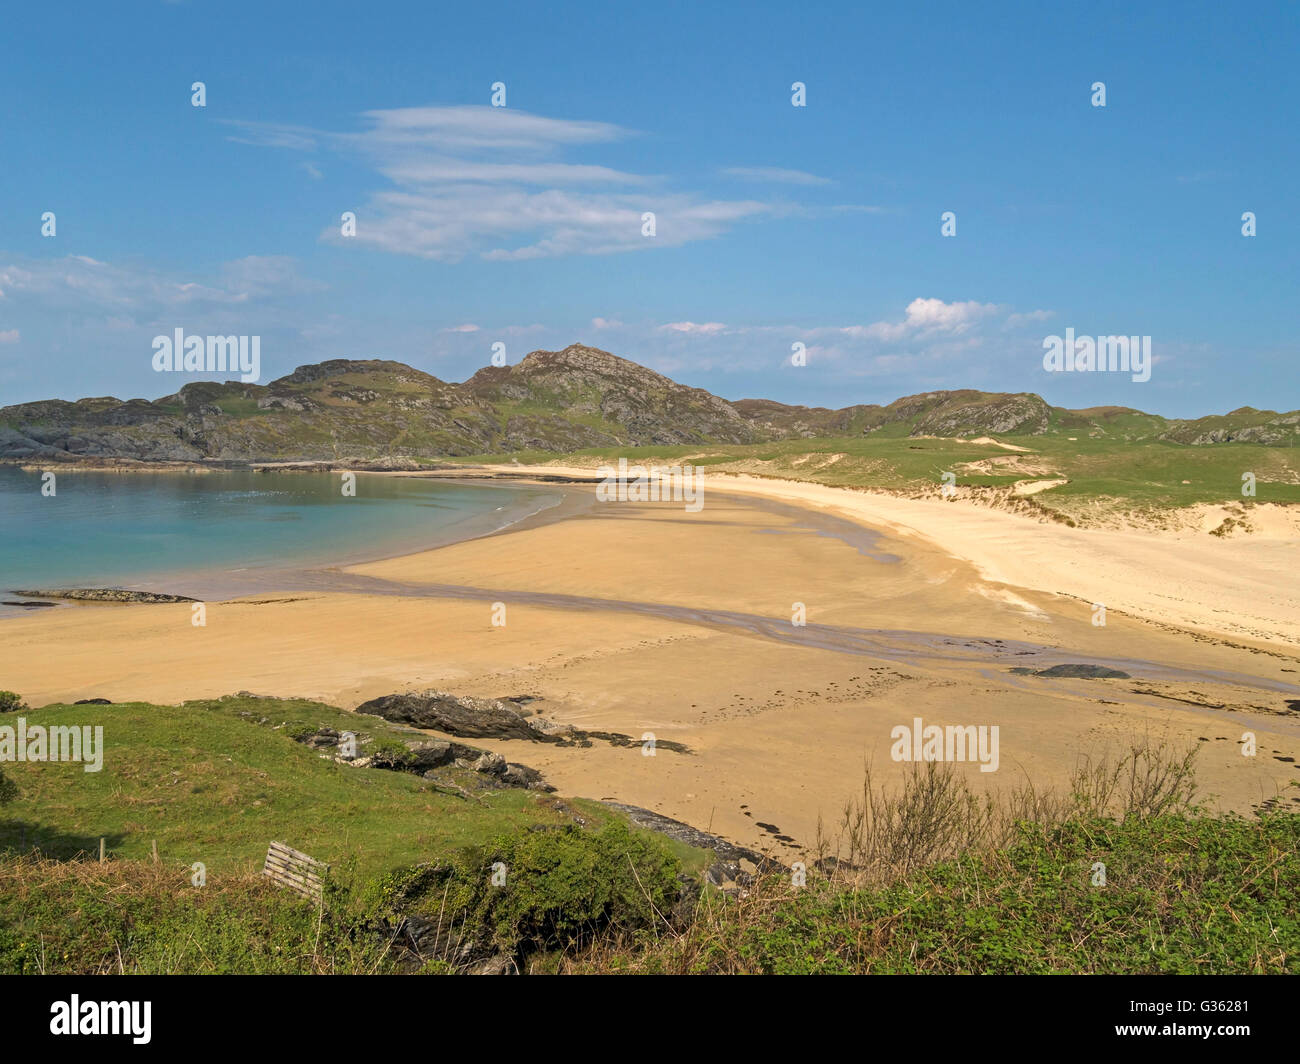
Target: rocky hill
[{"x": 558, "y": 401}]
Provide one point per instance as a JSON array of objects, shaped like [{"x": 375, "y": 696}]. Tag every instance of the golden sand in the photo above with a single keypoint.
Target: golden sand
[{"x": 778, "y": 730}]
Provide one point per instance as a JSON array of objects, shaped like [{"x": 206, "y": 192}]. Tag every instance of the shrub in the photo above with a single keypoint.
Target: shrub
[
  {"x": 561, "y": 886},
  {"x": 12, "y": 703}
]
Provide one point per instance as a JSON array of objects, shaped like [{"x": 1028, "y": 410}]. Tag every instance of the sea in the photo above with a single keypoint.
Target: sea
[{"x": 201, "y": 533}]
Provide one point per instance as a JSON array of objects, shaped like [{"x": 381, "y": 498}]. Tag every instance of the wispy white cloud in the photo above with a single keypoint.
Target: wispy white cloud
[
  {"x": 83, "y": 283},
  {"x": 1014, "y": 320},
  {"x": 442, "y": 169},
  {"x": 490, "y": 182},
  {"x": 776, "y": 175},
  {"x": 708, "y": 328},
  {"x": 925, "y": 341}
]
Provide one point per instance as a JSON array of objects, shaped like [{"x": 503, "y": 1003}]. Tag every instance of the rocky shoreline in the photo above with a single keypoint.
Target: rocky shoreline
[
  {"x": 492, "y": 718},
  {"x": 98, "y": 594}
]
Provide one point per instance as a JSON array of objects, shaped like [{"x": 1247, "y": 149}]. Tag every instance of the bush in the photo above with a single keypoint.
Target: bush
[
  {"x": 561, "y": 886},
  {"x": 391, "y": 754},
  {"x": 12, "y": 703}
]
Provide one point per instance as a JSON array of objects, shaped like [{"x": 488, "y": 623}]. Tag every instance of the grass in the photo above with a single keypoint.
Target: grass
[
  {"x": 562, "y": 886},
  {"x": 216, "y": 781},
  {"x": 1182, "y": 894},
  {"x": 1114, "y": 472},
  {"x": 1121, "y": 873}
]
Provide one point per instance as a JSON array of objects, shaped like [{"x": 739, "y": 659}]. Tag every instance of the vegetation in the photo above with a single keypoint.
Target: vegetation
[
  {"x": 590, "y": 404},
  {"x": 1182, "y": 894},
  {"x": 11, "y": 703},
  {"x": 133, "y": 916},
  {"x": 1122, "y": 873},
  {"x": 215, "y": 781},
  {"x": 1097, "y": 475}
]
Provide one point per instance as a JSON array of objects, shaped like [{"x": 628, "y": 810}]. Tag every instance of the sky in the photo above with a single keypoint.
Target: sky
[{"x": 774, "y": 224}]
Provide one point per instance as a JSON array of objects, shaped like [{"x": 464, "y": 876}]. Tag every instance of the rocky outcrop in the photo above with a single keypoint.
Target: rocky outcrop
[
  {"x": 492, "y": 718},
  {"x": 424, "y": 758},
  {"x": 104, "y": 594},
  {"x": 472, "y": 718},
  {"x": 638, "y": 405},
  {"x": 1075, "y": 672},
  {"x": 727, "y": 868}
]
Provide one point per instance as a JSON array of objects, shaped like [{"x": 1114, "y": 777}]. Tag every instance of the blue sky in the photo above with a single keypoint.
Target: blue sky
[{"x": 774, "y": 224}]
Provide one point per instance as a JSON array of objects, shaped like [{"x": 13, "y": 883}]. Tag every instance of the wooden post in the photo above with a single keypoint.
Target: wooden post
[
  {"x": 155, "y": 851},
  {"x": 101, "y": 850}
]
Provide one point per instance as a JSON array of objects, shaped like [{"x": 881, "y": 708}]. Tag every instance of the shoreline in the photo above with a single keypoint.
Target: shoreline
[
  {"x": 1010, "y": 554},
  {"x": 223, "y": 584},
  {"x": 637, "y": 618},
  {"x": 1008, "y": 550}
]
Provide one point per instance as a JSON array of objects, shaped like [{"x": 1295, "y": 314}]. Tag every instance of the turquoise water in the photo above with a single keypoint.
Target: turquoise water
[{"x": 175, "y": 531}]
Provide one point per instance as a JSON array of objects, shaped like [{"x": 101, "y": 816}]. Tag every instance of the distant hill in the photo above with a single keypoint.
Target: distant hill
[{"x": 558, "y": 401}]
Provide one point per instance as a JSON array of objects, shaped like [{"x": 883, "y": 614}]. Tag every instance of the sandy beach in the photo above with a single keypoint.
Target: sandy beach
[{"x": 646, "y": 618}]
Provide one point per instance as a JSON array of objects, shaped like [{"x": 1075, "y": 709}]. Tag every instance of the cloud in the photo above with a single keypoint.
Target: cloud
[
  {"x": 82, "y": 283},
  {"x": 606, "y": 323},
  {"x": 490, "y": 182},
  {"x": 439, "y": 169},
  {"x": 271, "y": 135},
  {"x": 708, "y": 328},
  {"x": 478, "y": 127},
  {"x": 1033, "y": 315},
  {"x": 776, "y": 175},
  {"x": 9, "y": 336},
  {"x": 469, "y": 327},
  {"x": 255, "y": 276},
  {"x": 313, "y": 171},
  {"x": 926, "y": 340},
  {"x": 925, "y": 316}
]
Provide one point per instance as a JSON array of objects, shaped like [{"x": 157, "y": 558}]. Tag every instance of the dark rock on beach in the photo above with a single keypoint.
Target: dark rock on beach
[
  {"x": 727, "y": 867},
  {"x": 492, "y": 718},
  {"x": 424, "y": 757},
  {"x": 104, "y": 594},
  {"x": 472, "y": 718},
  {"x": 1075, "y": 672}
]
